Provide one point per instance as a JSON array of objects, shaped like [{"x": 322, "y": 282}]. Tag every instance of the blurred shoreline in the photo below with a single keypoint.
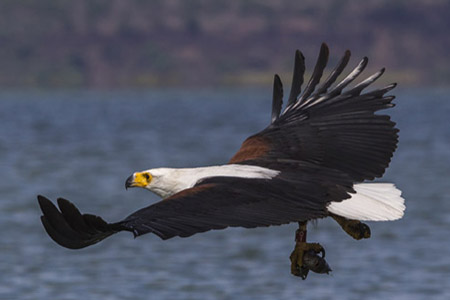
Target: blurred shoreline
[{"x": 124, "y": 44}]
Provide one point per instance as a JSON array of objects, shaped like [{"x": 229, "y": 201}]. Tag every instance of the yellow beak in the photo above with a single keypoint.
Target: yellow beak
[{"x": 138, "y": 179}]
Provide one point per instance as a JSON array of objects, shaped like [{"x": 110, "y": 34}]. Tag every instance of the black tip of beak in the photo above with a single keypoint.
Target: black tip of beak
[{"x": 129, "y": 182}]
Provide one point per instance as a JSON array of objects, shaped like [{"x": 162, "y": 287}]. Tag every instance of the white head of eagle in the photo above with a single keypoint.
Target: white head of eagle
[{"x": 166, "y": 182}]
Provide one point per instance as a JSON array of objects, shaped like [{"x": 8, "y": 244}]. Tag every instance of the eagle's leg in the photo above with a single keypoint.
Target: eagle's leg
[
  {"x": 304, "y": 257},
  {"x": 356, "y": 229}
]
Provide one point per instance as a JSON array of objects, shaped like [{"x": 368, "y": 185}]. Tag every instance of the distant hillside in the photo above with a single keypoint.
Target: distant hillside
[{"x": 118, "y": 43}]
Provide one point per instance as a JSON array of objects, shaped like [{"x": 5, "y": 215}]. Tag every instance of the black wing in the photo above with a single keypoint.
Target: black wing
[
  {"x": 214, "y": 203},
  {"x": 328, "y": 126}
]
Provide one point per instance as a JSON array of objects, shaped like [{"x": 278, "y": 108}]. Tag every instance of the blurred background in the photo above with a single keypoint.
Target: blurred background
[
  {"x": 92, "y": 91},
  {"x": 105, "y": 44}
]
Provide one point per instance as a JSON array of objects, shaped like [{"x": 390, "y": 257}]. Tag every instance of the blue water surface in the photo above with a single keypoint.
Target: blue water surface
[{"x": 82, "y": 145}]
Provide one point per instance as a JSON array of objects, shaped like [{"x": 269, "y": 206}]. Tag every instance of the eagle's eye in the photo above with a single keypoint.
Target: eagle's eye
[{"x": 147, "y": 176}]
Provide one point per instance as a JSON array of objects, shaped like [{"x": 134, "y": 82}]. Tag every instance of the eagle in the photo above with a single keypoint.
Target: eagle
[{"x": 313, "y": 161}]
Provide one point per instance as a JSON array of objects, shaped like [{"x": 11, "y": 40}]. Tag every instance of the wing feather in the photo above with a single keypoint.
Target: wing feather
[
  {"x": 350, "y": 77},
  {"x": 301, "y": 192},
  {"x": 297, "y": 78},
  {"x": 334, "y": 74},
  {"x": 321, "y": 63},
  {"x": 69, "y": 228},
  {"x": 329, "y": 126},
  {"x": 277, "y": 100},
  {"x": 361, "y": 86}
]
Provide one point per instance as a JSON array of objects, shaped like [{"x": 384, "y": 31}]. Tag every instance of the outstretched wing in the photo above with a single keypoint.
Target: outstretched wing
[
  {"x": 326, "y": 125},
  {"x": 214, "y": 203},
  {"x": 324, "y": 141}
]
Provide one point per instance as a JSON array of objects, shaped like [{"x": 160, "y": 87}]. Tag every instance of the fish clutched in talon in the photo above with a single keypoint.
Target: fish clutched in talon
[
  {"x": 316, "y": 263},
  {"x": 305, "y": 256},
  {"x": 303, "y": 261}
]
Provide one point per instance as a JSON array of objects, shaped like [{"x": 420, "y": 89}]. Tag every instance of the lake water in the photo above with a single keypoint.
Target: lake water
[{"x": 83, "y": 145}]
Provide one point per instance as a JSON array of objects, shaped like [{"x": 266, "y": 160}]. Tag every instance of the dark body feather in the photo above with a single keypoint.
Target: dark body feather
[{"x": 324, "y": 141}]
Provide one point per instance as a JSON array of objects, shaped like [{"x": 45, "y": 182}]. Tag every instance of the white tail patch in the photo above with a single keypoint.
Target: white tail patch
[{"x": 372, "y": 202}]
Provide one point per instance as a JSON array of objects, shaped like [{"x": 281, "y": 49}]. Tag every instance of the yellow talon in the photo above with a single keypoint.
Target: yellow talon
[
  {"x": 305, "y": 258},
  {"x": 354, "y": 228},
  {"x": 305, "y": 255}
]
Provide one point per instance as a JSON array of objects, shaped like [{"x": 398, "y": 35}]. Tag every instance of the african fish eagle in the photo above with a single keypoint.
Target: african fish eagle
[{"x": 312, "y": 161}]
